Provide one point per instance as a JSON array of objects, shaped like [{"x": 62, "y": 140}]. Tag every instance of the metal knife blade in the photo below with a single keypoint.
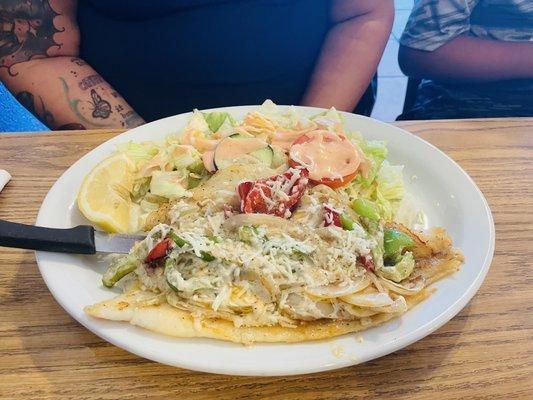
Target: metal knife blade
[{"x": 115, "y": 243}]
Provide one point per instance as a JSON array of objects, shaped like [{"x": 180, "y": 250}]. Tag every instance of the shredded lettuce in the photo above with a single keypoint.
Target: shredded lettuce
[
  {"x": 188, "y": 159},
  {"x": 168, "y": 173},
  {"x": 385, "y": 207},
  {"x": 183, "y": 156},
  {"x": 390, "y": 181},
  {"x": 286, "y": 119},
  {"x": 217, "y": 120},
  {"x": 169, "y": 184},
  {"x": 383, "y": 183},
  {"x": 140, "y": 188},
  {"x": 198, "y": 123},
  {"x": 139, "y": 153},
  {"x": 376, "y": 153},
  {"x": 161, "y": 165},
  {"x": 227, "y": 128},
  {"x": 332, "y": 115}
]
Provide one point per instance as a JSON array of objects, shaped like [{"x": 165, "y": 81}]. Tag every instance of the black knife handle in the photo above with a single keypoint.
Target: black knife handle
[{"x": 78, "y": 240}]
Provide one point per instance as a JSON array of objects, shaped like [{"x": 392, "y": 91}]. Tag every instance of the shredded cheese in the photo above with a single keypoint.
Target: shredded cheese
[{"x": 275, "y": 267}]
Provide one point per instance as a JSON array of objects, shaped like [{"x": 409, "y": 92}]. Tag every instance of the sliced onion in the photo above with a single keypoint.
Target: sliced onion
[
  {"x": 221, "y": 297},
  {"x": 332, "y": 291},
  {"x": 293, "y": 299},
  {"x": 325, "y": 308},
  {"x": 261, "y": 292},
  {"x": 408, "y": 289},
  {"x": 359, "y": 312},
  {"x": 327, "y": 191},
  {"x": 299, "y": 307},
  {"x": 368, "y": 300},
  {"x": 376, "y": 283},
  {"x": 398, "y": 306}
]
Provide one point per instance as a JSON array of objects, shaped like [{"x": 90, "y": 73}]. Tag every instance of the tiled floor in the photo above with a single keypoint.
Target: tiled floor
[{"x": 391, "y": 82}]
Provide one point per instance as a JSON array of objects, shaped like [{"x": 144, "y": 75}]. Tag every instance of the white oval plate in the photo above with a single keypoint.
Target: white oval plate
[{"x": 449, "y": 196}]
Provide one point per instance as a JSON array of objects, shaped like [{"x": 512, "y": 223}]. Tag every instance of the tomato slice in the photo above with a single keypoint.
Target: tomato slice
[
  {"x": 276, "y": 195},
  {"x": 326, "y": 155}
]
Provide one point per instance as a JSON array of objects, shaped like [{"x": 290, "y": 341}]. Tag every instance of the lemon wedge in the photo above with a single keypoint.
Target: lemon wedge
[{"x": 104, "y": 196}]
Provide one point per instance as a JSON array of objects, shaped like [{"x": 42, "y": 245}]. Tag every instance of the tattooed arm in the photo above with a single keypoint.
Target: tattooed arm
[{"x": 39, "y": 64}]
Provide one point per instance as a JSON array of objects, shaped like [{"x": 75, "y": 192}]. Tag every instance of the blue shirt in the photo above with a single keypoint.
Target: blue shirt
[{"x": 169, "y": 56}]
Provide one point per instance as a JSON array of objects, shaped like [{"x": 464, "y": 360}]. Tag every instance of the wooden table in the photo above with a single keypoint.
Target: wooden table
[{"x": 485, "y": 352}]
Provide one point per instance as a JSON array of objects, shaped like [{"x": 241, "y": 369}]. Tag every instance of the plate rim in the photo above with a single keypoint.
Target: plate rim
[{"x": 387, "y": 348}]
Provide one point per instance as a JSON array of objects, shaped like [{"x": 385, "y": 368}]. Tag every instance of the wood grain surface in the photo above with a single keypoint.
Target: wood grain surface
[{"x": 485, "y": 352}]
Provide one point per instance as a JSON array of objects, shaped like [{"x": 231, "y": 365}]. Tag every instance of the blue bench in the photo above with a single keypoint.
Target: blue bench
[{"x": 14, "y": 117}]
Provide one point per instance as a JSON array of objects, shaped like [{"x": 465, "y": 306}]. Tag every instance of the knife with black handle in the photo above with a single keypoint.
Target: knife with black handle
[{"x": 82, "y": 239}]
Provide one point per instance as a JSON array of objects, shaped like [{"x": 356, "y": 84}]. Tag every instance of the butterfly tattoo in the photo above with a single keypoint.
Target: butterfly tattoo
[{"x": 101, "y": 107}]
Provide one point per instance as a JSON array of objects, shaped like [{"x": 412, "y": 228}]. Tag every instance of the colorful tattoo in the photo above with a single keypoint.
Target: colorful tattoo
[
  {"x": 74, "y": 107},
  {"x": 26, "y": 31},
  {"x": 27, "y": 99}
]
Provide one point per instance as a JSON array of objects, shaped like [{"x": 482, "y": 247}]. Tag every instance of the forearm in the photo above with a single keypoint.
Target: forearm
[
  {"x": 66, "y": 93},
  {"x": 467, "y": 58},
  {"x": 349, "y": 60}
]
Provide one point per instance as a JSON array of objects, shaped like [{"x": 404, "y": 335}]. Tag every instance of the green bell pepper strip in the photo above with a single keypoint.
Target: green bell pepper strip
[
  {"x": 206, "y": 256},
  {"x": 394, "y": 242},
  {"x": 346, "y": 222},
  {"x": 118, "y": 270},
  {"x": 174, "y": 288},
  {"x": 179, "y": 241},
  {"x": 365, "y": 208},
  {"x": 168, "y": 264},
  {"x": 399, "y": 271}
]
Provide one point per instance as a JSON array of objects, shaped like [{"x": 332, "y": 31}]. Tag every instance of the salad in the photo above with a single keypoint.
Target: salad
[{"x": 280, "y": 227}]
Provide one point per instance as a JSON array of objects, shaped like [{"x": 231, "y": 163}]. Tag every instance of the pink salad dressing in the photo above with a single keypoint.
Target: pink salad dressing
[
  {"x": 326, "y": 155},
  {"x": 208, "y": 158}
]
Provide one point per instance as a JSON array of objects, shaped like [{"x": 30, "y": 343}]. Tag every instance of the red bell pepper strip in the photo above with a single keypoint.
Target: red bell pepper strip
[
  {"x": 159, "y": 251},
  {"x": 276, "y": 195},
  {"x": 331, "y": 216},
  {"x": 367, "y": 262}
]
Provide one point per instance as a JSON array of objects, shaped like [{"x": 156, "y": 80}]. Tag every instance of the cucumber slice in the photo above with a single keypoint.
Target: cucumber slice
[
  {"x": 264, "y": 155},
  {"x": 279, "y": 157},
  {"x": 231, "y": 148},
  {"x": 239, "y": 136}
]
